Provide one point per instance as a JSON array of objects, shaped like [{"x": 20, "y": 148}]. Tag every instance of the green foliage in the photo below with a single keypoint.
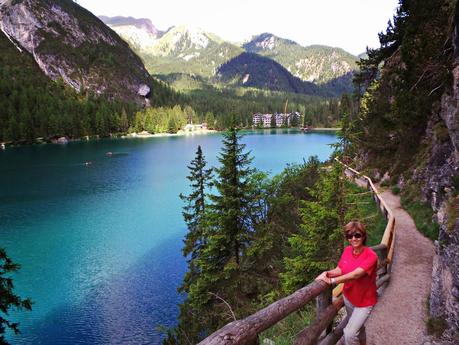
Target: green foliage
[
  {"x": 319, "y": 241},
  {"x": 259, "y": 239},
  {"x": 9, "y": 300},
  {"x": 395, "y": 190},
  {"x": 34, "y": 106},
  {"x": 324, "y": 64},
  {"x": 229, "y": 106},
  {"x": 364, "y": 208},
  {"x": 403, "y": 80},
  {"x": 441, "y": 132},
  {"x": 436, "y": 326},
  {"x": 219, "y": 258},
  {"x": 160, "y": 120},
  {"x": 193, "y": 214},
  {"x": 422, "y": 215},
  {"x": 170, "y": 56},
  {"x": 191, "y": 67},
  {"x": 452, "y": 211},
  {"x": 252, "y": 70},
  {"x": 283, "y": 219}
]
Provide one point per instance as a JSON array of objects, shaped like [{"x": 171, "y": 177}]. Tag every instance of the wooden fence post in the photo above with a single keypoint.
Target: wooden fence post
[{"x": 322, "y": 303}]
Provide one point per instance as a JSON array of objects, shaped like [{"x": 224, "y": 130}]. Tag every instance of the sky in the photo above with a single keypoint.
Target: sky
[{"x": 349, "y": 24}]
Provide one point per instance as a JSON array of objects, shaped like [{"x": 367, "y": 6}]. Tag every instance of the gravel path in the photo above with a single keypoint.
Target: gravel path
[{"x": 399, "y": 317}]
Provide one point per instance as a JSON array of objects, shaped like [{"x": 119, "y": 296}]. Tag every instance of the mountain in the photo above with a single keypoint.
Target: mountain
[
  {"x": 194, "y": 52},
  {"x": 179, "y": 50},
  {"x": 70, "y": 44},
  {"x": 252, "y": 70},
  {"x": 318, "y": 64},
  {"x": 144, "y": 24},
  {"x": 139, "y": 33}
]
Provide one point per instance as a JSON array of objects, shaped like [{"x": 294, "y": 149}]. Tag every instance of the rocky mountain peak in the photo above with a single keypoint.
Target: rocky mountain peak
[
  {"x": 195, "y": 36},
  {"x": 143, "y": 24},
  {"x": 266, "y": 42}
]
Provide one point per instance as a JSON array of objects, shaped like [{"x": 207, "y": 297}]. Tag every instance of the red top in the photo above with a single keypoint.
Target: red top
[{"x": 360, "y": 292}]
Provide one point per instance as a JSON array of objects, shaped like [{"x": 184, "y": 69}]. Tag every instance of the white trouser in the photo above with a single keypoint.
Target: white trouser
[{"x": 354, "y": 332}]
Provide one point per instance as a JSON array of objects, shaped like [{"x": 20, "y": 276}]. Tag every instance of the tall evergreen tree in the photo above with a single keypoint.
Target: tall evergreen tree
[
  {"x": 232, "y": 206},
  {"x": 8, "y": 299},
  {"x": 193, "y": 214}
]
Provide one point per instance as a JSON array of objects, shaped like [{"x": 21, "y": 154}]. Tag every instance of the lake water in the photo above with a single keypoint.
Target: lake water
[{"x": 100, "y": 244}]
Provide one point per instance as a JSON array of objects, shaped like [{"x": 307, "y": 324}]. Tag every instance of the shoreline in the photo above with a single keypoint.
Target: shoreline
[
  {"x": 331, "y": 129},
  {"x": 145, "y": 134}
]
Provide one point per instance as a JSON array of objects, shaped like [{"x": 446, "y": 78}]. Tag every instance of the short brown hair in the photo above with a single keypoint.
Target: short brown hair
[{"x": 354, "y": 226}]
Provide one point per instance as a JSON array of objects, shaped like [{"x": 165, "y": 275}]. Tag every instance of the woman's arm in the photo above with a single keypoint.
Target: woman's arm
[
  {"x": 329, "y": 274},
  {"x": 329, "y": 277},
  {"x": 355, "y": 274},
  {"x": 334, "y": 272}
]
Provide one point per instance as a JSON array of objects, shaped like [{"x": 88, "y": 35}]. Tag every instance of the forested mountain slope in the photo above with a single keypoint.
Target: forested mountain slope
[
  {"x": 316, "y": 63},
  {"x": 50, "y": 86},
  {"x": 252, "y": 70}
]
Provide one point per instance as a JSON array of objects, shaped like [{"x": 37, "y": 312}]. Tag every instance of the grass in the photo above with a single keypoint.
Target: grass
[
  {"x": 284, "y": 332},
  {"x": 436, "y": 326},
  {"x": 395, "y": 190},
  {"x": 453, "y": 212},
  {"x": 422, "y": 216}
]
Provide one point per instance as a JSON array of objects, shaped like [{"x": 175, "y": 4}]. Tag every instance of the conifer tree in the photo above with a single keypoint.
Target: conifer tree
[
  {"x": 193, "y": 214},
  {"x": 8, "y": 298},
  {"x": 232, "y": 205}
]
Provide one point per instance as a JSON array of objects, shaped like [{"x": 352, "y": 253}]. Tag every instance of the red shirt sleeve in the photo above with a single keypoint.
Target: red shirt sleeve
[{"x": 370, "y": 262}]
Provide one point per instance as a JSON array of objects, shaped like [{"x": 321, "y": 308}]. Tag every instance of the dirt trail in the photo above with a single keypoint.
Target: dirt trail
[{"x": 399, "y": 317}]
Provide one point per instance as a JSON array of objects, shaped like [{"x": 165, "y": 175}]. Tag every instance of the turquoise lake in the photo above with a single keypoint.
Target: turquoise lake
[{"x": 100, "y": 244}]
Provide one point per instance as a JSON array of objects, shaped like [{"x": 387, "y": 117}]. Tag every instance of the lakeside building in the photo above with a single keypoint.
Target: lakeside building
[
  {"x": 280, "y": 119},
  {"x": 195, "y": 127}
]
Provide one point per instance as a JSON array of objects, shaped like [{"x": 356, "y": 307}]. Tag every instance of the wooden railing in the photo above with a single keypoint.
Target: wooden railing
[{"x": 328, "y": 302}]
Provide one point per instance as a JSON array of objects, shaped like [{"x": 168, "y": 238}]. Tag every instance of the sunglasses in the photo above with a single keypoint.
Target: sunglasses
[{"x": 355, "y": 235}]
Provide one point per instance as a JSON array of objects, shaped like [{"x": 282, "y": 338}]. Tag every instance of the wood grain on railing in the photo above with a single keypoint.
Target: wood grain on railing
[{"x": 245, "y": 331}]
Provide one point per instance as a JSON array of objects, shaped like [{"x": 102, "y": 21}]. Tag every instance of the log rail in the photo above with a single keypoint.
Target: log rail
[{"x": 246, "y": 331}]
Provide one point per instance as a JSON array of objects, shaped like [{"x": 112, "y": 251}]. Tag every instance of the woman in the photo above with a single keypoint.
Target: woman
[{"x": 357, "y": 270}]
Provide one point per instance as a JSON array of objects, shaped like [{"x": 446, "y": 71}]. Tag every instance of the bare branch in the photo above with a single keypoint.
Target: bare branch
[
  {"x": 439, "y": 86},
  {"x": 226, "y": 303}
]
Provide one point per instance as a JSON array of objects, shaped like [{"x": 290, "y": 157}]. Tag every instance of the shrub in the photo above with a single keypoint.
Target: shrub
[{"x": 395, "y": 190}]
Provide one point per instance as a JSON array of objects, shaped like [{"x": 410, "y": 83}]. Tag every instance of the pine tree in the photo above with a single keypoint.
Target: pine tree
[
  {"x": 8, "y": 298},
  {"x": 232, "y": 204},
  {"x": 193, "y": 214}
]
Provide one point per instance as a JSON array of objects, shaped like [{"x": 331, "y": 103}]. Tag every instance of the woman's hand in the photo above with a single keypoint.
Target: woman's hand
[{"x": 323, "y": 277}]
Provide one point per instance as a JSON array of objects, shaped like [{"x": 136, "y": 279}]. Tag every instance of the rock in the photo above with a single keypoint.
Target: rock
[
  {"x": 439, "y": 174},
  {"x": 144, "y": 90}
]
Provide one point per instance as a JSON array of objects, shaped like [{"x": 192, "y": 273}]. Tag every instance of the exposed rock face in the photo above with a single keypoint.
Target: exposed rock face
[
  {"x": 442, "y": 170},
  {"x": 71, "y": 44}
]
